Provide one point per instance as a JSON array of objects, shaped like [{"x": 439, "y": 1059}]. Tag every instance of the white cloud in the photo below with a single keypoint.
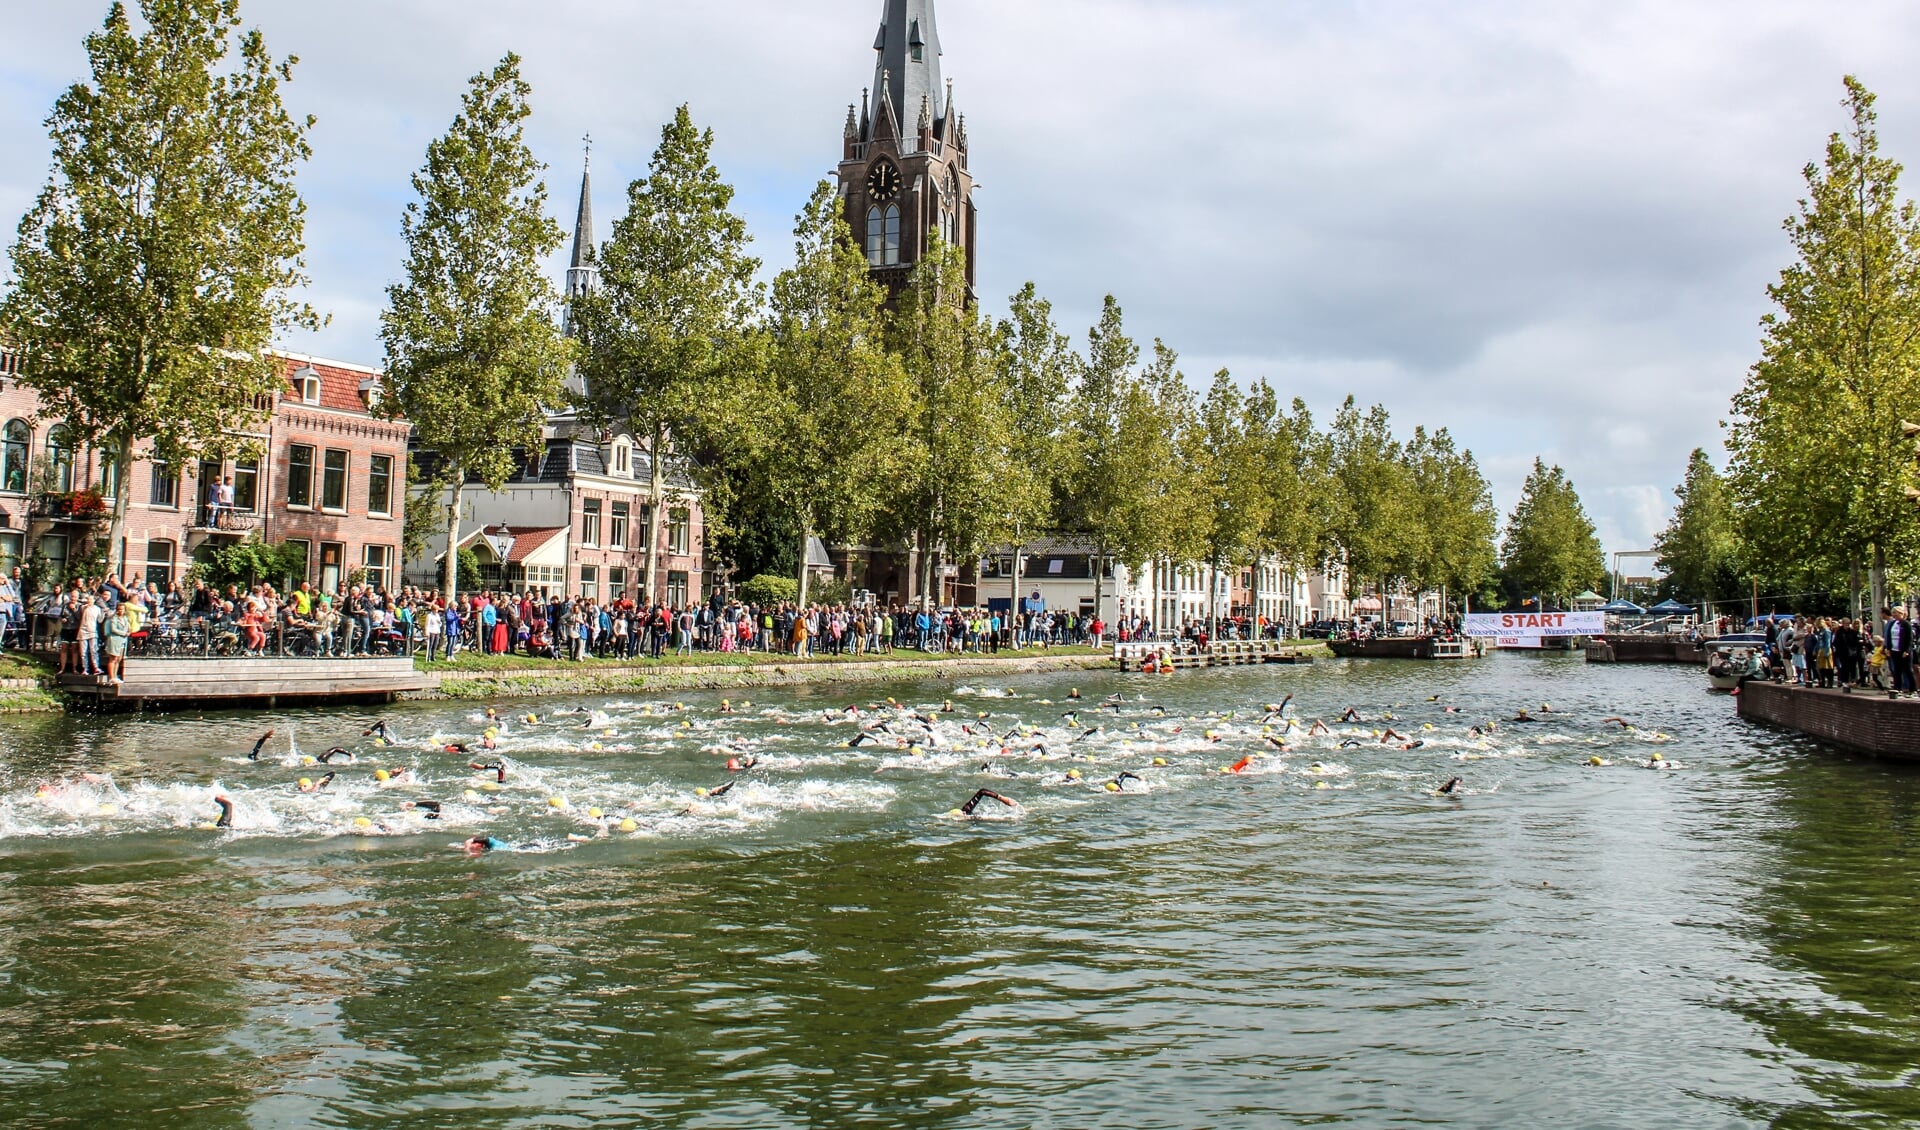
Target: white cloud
[{"x": 1548, "y": 227}]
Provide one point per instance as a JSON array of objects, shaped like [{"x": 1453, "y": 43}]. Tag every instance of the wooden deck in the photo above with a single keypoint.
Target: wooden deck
[
  {"x": 1221, "y": 653},
  {"x": 1404, "y": 647},
  {"x": 231, "y": 682}
]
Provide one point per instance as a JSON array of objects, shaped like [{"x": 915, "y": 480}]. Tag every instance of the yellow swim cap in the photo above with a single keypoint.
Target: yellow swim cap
[
  {"x": 308, "y": 761},
  {"x": 628, "y": 825},
  {"x": 1074, "y": 773},
  {"x": 593, "y": 813},
  {"x": 1595, "y": 760},
  {"x": 381, "y": 775},
  {"x": 1159, "y": 761},
  {"x": 306, "y": 782},
  {"x": 1112, "y": 787},
  {"x": 1321, "y": 785},
  {"x": 362, "y": 822},
  {"x": 556, "y": 802},
  {"x": 108, "y": 809},
  {"x": 954, "y": 812},
  {"x": 700, "y": 792},
  {"x": 490, "y": 787}
]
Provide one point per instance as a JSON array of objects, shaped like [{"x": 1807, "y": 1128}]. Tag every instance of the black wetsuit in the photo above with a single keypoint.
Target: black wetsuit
[
  {"x": 984, "y": 794},
  {"x": 255, "y": 755},
  {"x": 226, "y": 813}
]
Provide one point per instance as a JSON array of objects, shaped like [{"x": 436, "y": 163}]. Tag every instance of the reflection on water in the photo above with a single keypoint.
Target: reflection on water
[{"x": 1317, "y": 938}]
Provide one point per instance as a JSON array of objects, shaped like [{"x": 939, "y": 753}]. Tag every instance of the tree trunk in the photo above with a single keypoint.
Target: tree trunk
[
  {"x": 1877, "y": 582},
  {"x": 1254, "y": 618},
  {"x": 1853, "y": 591},
  {"x": 657, "y": 484},
  {"x": 450, "y": 565},
  {"x": 122, "y": 456},
  {"x": 924, "y": 571},
  {"x": 1099, "y": 556},
  {"x": 806, "y": 535},
  {"x": 1213, "y": 600}
]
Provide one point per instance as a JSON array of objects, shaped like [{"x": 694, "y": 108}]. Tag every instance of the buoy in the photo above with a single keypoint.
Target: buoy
[
  {"x": 556, "y": 802},
  {"x": 381, "y": 775},
  {"x": 306, "y": 782},
  {"x": 628, "y": 825}
]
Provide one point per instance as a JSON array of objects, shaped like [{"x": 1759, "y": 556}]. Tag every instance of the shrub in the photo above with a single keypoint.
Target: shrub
[{"x": 766, "y": 589}]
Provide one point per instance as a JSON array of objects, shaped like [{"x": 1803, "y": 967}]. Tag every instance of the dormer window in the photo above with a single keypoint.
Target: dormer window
[
  {"x": 306, "y": 384},
  {"x": 914, "y": 43},
  {"x": 623, "y": 458}
]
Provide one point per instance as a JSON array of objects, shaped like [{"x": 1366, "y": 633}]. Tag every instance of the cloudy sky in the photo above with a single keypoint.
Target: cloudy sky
[{"x": 1548, "y": 227}]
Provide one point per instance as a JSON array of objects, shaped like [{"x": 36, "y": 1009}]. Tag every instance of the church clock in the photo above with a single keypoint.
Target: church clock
[{"x": 883, "y": 183}]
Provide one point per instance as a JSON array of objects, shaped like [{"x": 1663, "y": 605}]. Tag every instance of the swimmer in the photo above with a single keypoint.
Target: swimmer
[
  {"x": 1433, "y": 698},
  {"x": 1351, "y": 715},
  {"x": 499, "y": 771},
  {"x": 255, "y": 755},
  {"x": 479, "y": 845},
  {"x": 1074, "y": 694},
  {"x": 946, "y": 707},
  {"x": 457, "y": 747},
  {"x": 1157, "y": 711},
  {"x": 1128, "y": 775},
  {"x": 860, "y": 739},
  {"x": 1319, "y": 728},
  {"x": 984, "y": 794},
  {"x": 380, "y": 730},
  {"x": 720, "y": 791},
  {"x": 390, "y": 776},
  {"x": 1449, "y": 788},
  {"x": 735, "y": 765},
  {"x": 1450, "y": 709},
  {"x": 1072, "y": 717},
  {"x": 1350, "y": 743},
  {"x": 1278, "y": 744},
  {"x": 1085, "y": 734},
  {"x": 1415, "y": 744},
  {"x": 337, "y": 751},
  {"x": 1241, "y": 765},
  {"x": 307, "y": 786},
  {"x": 430, "y": 807},
  {"x": 726, "y": 707},
  {"x": 1523, "y": 716},
  {"x": 1621, "y": 722},
  {"x": 226, "y": 812},
  {"x": 1390, "y": 736}
]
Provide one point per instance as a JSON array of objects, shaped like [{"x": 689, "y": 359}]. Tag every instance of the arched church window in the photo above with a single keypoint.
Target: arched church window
[
  {"x": 890, "y": 252},
  {"x": 873, "y": 235}
]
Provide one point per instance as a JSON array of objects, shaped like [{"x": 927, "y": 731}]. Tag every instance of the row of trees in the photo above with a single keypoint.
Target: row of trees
[{"x": 154, "y": 273}]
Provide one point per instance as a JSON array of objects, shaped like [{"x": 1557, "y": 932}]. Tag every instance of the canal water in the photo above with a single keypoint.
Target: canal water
[{"x": 1724, "y": 939}]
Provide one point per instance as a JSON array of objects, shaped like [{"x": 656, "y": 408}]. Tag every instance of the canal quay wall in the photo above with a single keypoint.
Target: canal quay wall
[
  {"x": 1627, "y": 649},
  {"x": 568, "y": 680},
  {"x": 1865, "y": 721}
]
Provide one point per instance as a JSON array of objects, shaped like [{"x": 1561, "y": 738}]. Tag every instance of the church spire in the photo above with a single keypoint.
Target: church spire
[
  {"x": 583, "y": 273},
  {"x": 907, "y": 70}
]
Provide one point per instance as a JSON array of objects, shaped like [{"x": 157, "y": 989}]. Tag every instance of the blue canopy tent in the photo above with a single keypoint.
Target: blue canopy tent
[
  {"x": 1623, "y": 608},
  {"x": 1671, "y": 608}
]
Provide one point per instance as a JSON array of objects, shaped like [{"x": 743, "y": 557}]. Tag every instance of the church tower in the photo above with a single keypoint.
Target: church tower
[
  {"x": 583, "y": 273},
  {"x": 903, "y": 169}
]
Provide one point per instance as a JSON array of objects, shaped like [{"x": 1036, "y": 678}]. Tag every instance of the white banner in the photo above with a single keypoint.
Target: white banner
[
  {"x": 1517, "y": 641},
  {"x": 1497, "y": 624}
]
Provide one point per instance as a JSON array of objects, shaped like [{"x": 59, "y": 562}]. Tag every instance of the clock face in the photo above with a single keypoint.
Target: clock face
[{"x": 883, "y": 182}]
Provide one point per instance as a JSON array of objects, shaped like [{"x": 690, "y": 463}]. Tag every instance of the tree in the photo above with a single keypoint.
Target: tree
[
  {"x": 1289, "y": 460},
  {"x": 834, "y": 400},
  {"x": 1550, "y": 549},
  {"x": 474, "y": 357},
  {"x": 1451, "y": 537},
  {"x": 154, "y": 270},
  {"x": 665, "y": 338},
  {"x": 1367, "y": 497},
  {"x": 1037, "y": 365},
  {"x": 1102, "y": 477},
  {"x": 1227, "y": 505},
  {"x": 1815, "y": 439},
  {"x": 959, "y": 495},
  {"x": 1699, "y": 549}
]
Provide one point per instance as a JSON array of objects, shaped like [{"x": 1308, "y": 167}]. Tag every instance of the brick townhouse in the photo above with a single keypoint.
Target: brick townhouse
[{"x": 330, "y": 476}]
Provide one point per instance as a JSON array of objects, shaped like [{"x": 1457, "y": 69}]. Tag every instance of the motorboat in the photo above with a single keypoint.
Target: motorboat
[{"x": 1732, "y": 660}]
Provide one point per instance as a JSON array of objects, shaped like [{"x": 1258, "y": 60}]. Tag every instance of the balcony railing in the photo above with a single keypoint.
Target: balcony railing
[
  {"x": 212, "y": 518},
  {"x": 70, "y": 506}
]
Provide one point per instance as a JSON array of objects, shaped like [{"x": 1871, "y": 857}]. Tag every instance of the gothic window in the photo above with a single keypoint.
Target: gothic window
[
  {"x": 890, "y": 250},
  {"x": 873, "y": 236}
]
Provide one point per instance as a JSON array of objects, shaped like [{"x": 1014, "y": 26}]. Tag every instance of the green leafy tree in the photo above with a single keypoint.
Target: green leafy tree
[
  {"x": 1289, "y": 461},
  {"x": 667, "y": 342},
  {"x": 1226, "y": 505},
  {"x": 834, "y": 400},
  {"x": 154, "y": 270},
  {"x": 1451, "y": 537},
  {"x": 474, "y": 358},
  {"x": 1102, "y": 483},
  {"x": 959, "y": 495},
  {"x": 1815, "y": 439},
  {"x": 1700, "y": 548},
  {"x": 1367, "y": 497},
  {"x": 1550, "y": 548},
  {"x": 1037, "y": 365}
]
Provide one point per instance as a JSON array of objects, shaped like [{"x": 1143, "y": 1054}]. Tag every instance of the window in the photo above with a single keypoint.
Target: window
[
  {"x": 333, "y": 481},
  {"x": 622, "y": 458},
  {"x": 160, "y": 563},
  {"x": 306, "y": 555},
  {"x": 616, "y": 582},
  {"x": 619, "y": 532},
  {"x": 13, "y": 456},
  {"x": 109, "y": 476},
  {"x": 678, "y": 528},
  {"x": 306, "y": 384},
  {"x": 60, "y": 457},
  {"x": 890, "y": 248},
  {"x": 590, "y": 581},
  {"x": 246, "y": 485},
  {"x": 299, "y": 475},
  {"x": 10, "y": 552},
  {"x": 380, "y": 485},
  {"x": 545, "y": 578},
  {"x": 590, "y": 521},
  {"x": 379, "y": 565},
  {"x": 676, "y": 588},
  {"x": 164, "y": 489},
  {"x": 875, "y": 232},
  {"x": 53, "y": 548},
  {"x": 331, "y": 554}
]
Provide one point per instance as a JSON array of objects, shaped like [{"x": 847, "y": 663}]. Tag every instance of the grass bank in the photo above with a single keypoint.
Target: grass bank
[
  {"x": 26, "y": 684},
  {"x": 504, "y": 676}
]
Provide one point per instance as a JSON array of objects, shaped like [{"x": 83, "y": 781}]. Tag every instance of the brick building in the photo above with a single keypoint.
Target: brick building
[{"x": 329, "y": 475}]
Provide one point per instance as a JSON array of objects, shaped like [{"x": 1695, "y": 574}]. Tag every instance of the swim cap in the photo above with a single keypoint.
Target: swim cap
[
  {"x": 556, "y": 802},
  {"x": 1113, "y": 787},
  {"x": 381, "y": 775},
  {"x": 362, "y": 822},
  {"x": 306, "y": 782},
  {"x": 699, "y": 792},
  {"x": 593, "y": 813},
  {"x": 955, "y": 812},
  {"x": 308, "y": 761},
  {"x": 733, "y": 765},
  {"x": 628, "y": 825},
  {"x": 1159, "y": 761},
  {"x": 1074, "y": 773}
]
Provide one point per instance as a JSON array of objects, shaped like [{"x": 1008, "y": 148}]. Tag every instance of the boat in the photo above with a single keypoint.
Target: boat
[
  {"x": 1403, "y": 647},
  {"x": 1732, "y": 660}
]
